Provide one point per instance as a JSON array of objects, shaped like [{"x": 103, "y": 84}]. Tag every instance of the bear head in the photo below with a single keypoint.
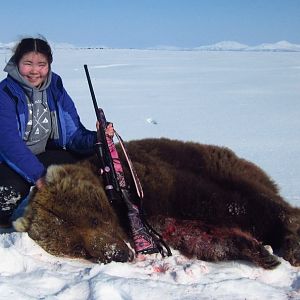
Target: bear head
[{"x": 71, "y": 216}]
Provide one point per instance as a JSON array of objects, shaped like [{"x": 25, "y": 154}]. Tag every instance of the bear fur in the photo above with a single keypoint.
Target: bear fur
[{"x": 207, "y": 203}]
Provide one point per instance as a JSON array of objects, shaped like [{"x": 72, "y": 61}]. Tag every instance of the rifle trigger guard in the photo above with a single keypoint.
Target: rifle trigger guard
[{"x": 109, "y": 187}]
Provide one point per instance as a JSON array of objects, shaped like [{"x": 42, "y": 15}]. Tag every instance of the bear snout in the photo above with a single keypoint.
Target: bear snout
[
  {"x": 112, "y": 253},
  {"x": 118, "y": 252},
  {"x": 104, "y": 246},
  {"x": 122, "y": 256}
]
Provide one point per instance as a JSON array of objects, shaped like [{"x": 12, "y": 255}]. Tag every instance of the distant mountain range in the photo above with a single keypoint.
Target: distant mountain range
[
  {"x": 234, "y": 46},
  {"x": 282, "y": 46}
]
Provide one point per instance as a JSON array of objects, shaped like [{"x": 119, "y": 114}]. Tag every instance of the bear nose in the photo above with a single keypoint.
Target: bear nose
[{"x": 123, "y": 256}]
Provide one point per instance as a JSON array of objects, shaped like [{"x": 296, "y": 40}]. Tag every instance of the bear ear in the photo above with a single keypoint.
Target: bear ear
[
  {"x": 21, "y": 224},
  {"x": 55, "y": 172}
]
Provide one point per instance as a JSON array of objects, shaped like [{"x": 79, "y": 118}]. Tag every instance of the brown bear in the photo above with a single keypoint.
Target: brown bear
[{"x": 206, "y": 202}]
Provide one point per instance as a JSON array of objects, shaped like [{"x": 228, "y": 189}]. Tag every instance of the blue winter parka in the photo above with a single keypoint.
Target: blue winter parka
[{"x": 73, "y": 136}]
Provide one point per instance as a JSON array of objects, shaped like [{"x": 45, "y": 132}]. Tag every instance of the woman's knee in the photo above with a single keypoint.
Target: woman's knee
[
  {"x": 9, "y": 200},
  {"x": 13, "y": 188}
]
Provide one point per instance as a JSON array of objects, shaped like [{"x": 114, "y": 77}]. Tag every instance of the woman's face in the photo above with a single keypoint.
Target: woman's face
[{"x": 34, "y": 67}]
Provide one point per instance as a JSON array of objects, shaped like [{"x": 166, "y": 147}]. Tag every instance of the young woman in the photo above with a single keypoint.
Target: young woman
[{"x": 39, "y": 124}]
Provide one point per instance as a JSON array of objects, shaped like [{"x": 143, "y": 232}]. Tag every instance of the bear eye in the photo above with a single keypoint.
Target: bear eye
[
  {"x": 95, "y": 222},
  {"x": 78, "y": 248}
]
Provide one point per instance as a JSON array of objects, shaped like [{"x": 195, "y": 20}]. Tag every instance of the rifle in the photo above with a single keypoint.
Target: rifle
[{"x": 117, "y": 196}]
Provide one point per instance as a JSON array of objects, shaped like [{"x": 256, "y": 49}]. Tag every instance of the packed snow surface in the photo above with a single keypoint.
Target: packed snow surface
[{"x": 247, "y": 101}]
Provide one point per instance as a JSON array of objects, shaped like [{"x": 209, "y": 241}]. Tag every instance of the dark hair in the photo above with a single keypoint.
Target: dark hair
[{"x": 32, "y": 44}]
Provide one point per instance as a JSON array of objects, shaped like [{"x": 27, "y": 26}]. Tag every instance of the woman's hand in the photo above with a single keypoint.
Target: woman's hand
[
  {"x": 40, "y": 183},
  {"x": 109, "y": 131}
]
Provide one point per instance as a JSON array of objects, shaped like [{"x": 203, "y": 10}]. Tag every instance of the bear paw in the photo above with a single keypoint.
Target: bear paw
[{"x": 21, "y": 224}]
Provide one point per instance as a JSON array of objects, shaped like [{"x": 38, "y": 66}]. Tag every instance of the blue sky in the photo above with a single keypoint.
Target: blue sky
[{"x": 149, "y": 23}]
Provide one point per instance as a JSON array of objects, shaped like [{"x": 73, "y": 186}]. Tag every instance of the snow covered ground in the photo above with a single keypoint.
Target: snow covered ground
[{"x": 247, "y": 101}]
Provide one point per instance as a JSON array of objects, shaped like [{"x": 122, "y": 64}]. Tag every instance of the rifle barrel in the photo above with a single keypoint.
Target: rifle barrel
[{"x": 92, "y": 92}]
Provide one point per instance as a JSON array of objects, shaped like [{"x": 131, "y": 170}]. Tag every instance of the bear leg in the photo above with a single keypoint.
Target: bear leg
[{"x": 194, "y": 238}]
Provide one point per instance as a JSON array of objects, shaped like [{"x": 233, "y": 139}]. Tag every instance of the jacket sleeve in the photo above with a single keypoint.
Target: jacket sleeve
[
  {"x": 78, "y": 138},
  {"x": 13, "y": 150}
]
